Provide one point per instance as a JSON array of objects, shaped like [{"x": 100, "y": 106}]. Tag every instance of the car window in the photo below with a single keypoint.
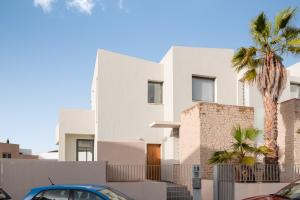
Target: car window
[
  {"x": 292, "y": 191},
  {"x": 84, "y": 195},
  {"x": 53, "y": 195},
  {"x": 3, "y": 195},
  {"x": 112, "y": 194}
]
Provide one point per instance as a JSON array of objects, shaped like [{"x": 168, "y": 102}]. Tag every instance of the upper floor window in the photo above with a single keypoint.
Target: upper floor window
[
  {"x": 295, "y": 90},
  {"x": 203, "y": 89},
  {"x": 154, "y": 92}
]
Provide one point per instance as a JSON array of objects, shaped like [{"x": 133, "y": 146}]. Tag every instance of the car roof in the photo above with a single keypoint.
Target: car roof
[{"x": 70, "y": 187}]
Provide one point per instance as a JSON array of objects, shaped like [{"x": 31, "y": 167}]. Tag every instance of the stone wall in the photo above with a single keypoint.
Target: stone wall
[
  {"x": 289, "y": 131},
  {"x": 206, "y": 128}
]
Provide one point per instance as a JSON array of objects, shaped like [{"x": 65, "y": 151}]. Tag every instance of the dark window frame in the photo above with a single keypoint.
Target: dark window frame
[
  {"x": 77, "y": 147},
  {"x": 6, "y": 155},
  {"x": 161, "y": 83}
]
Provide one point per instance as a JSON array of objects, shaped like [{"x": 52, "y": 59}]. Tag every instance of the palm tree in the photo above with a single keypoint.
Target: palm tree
[
  {"x": 242, "y": 150},
  {"x": 262, "y": 64}
]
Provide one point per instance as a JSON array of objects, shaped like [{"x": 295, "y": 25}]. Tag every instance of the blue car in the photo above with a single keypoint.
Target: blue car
[{"x": 75, "y": 192}]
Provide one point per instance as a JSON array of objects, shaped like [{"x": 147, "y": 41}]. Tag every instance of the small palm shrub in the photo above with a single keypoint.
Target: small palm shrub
[{"x": 243, "y": 150}]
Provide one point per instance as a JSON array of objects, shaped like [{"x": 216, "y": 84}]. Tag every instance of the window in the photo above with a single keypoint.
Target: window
[
  {"x": 154, "y": 92},
  {"x": 114, "y": 195},
  {"x": 53, "y": 195},
  {"x": 85, "y": 150},
  {"x": 203, "y": 89},
  {"x": 295, "y": 90},
  {"x": 6, "y": 155},
  {"x": 84, "y": 195}
]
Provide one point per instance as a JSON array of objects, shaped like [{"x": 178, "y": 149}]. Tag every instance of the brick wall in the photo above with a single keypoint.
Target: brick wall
[{"x": 207, "y": 127}]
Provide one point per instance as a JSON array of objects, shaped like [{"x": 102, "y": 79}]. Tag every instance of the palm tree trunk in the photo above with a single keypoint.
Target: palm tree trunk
[{"x": 271, "y": 130}]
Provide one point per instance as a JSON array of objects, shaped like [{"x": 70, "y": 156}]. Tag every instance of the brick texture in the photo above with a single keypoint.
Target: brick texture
[
  {"x": 289, "y": 132},
  {"x": 207, "y": 127}
]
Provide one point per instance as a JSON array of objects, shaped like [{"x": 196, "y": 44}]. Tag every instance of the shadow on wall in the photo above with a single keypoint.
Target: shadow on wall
[
  {"x": 203, "y": 154},
  {"x": 122, "y": 153},
  {"x": 286, "y": 131}
]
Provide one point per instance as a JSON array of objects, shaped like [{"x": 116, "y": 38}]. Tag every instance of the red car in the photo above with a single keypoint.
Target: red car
[{"x": 291, "y": 191}]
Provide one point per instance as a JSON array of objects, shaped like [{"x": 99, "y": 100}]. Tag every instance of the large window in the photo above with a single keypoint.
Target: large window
[
  {"x": 295, "y": 90},
  {"x": 154, "y": 92},
  {"x": 203, "y": 89},
  {"x": 85, "y": 150}
]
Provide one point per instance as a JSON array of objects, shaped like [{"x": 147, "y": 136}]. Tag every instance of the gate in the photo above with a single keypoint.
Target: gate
[{"x": 224, "y": 182}]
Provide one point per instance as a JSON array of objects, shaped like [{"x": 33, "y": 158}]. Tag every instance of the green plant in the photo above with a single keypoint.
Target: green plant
[
  {"x": 262, "y": 64},
  {"x": 243, "y": 150}
]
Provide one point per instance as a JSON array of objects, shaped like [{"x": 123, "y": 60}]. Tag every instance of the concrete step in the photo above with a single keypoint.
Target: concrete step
[{"x": 178, "y": 192}]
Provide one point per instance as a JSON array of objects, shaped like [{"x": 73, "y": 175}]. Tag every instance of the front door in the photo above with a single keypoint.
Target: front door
[{"x": 153, "y": 161}]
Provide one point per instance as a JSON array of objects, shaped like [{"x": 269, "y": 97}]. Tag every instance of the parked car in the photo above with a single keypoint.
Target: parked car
[
  {"x": 75, "y": 192},
  {"x": 4, "y": 195},
  {"x": 291, "y": 191}
]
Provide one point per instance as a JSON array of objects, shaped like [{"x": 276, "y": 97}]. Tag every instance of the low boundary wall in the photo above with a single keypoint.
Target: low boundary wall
[
  {"x": 19, "y": 176},
  {"x": 142, "y": 190},
  {"x": 246, "y": 190}
]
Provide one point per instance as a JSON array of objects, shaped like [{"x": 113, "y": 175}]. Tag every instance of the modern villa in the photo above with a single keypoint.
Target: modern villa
[{"x": 136, "y": 105}]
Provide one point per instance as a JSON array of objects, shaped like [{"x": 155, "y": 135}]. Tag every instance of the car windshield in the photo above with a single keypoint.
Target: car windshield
[
  {"x": 291, "y": 191},
  {"x": 112, "y": 194}
]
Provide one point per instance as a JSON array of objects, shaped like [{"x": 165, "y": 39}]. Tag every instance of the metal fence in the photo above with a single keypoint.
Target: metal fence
[
  {"x": 180, "y": 174},
  {"x": 266, "y": 173},
  {"x": 226, "y": 175}
]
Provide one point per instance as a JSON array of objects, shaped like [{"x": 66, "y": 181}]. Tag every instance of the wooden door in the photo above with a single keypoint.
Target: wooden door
[{"x": 153, "y": 161}]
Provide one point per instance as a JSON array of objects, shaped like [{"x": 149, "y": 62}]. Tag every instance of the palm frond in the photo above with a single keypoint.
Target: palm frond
[
  {"x": 250, "y": 75},
  {"x": 252, "y": 133},
  {"x": 238, "y": 134},
  {"x": 294, "y": 42},
  {"x": 248, "y": 160},
  {"x": 260, "y": 28},
  {"x": 294, "y": 50},
  {"x": 283, "y": 19},
  {"x": 221, "y": 157},
  {"x": 263, "y": 150},
  {"x": 244, "y": 58},
  {"x": 290, "y": 32}
]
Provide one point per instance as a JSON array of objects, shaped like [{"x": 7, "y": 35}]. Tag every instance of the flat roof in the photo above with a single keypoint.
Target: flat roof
[{"x": 164, "y": 124}]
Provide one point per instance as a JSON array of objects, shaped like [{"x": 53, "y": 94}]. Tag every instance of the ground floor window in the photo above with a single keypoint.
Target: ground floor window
[
  {"x": 85, "y": 150},
  {"x": 6, "y": 155}
]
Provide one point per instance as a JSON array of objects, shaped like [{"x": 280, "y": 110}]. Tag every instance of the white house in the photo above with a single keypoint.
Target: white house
[{"x": 139, "y": 101}]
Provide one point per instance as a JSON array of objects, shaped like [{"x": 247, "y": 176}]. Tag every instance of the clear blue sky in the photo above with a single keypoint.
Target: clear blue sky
[{"x": 48, "y": 49}]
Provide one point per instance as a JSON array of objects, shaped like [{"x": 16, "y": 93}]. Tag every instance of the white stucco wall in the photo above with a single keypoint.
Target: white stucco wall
[
  {"x": 180, "y": 64},
  {"x": 168, "y": 98},
  {"x": 123, "y": 111},
  {"x": 206, "y": 62},
  {"x": 119, "y": 108},
  {"x": 76, "y": 122}
]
